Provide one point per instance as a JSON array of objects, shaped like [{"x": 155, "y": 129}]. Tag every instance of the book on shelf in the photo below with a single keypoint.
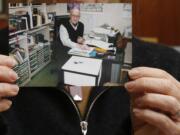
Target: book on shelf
[{"x": 18, "y": 54}]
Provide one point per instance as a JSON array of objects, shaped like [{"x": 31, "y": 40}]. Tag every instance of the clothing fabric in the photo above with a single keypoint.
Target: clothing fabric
[
  {"x": 4, "y": 41},
  {"x": 69, "y": 33}
]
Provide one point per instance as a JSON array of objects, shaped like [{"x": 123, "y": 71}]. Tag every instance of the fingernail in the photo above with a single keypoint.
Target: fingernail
[
  {"x": 129, "y": 85},
  {"x": 136, "y": 111},
  {"x": 133, "y": 72},
  {"x": 10, "y": 103},
  {"x": 13, "y": 76},
  {"x": 15, "y": 88},
  {"x": 12, "y": 62}
]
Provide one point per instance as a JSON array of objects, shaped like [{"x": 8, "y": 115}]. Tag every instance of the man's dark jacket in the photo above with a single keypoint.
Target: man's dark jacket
[{"x": 49, "y": 111}]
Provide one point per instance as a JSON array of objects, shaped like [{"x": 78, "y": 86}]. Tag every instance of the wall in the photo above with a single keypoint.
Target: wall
[
  {"x": 60, "y": 8},
  {"x": 157, "y": 18},
  {"x": 112, "y": 14}
]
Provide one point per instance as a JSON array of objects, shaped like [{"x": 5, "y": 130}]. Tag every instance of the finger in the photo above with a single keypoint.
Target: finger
[
  {"x": 8, "y": 90},
  {"x": 140, "y": 72},
  {"x": 5, "y": 104},
  {"x": 153, "y": 85},
  {"x": 7, "y": 61},
  {"x": 161, "y": 102},
  {"x": 161, "y": 121},
  {"x": 7, "y": 75}
]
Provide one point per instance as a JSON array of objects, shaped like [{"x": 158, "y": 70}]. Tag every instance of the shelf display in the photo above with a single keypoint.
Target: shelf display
[
  {"x": 29, "y": 40},
  {"x": 23, "y": 72}
]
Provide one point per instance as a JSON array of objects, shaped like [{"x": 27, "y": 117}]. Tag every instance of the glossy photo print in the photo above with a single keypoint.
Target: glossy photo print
[{"x": 76, "y": 44}]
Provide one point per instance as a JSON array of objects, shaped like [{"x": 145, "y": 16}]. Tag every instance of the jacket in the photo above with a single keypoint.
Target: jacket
[{"x": 51, "y": 111}]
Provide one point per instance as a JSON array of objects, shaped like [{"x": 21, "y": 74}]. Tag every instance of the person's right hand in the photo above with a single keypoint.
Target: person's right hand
[
  {"x": 83, "y": 47},
  {"x": 7, "y": 78},
  {"x": 156, "y": 101}
]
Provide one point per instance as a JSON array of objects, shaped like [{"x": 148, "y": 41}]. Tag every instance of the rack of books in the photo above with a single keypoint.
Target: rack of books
[
  {"x": 23, "y": 72},
  {"x": 33, "y": 61},
  {"x": 29, "y": 39}
]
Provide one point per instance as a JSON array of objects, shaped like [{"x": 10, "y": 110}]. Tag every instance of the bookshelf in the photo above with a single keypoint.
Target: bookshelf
[{"x": 33, "y": 41}]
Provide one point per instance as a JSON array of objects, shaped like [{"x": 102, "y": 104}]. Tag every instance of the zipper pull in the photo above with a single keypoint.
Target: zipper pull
[{"x": 84, "y": 127}]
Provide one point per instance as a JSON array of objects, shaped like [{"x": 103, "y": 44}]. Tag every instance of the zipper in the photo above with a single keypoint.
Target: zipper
[
  {"x": 84, "y": 127},
  {"x": 84, "y": 123}
]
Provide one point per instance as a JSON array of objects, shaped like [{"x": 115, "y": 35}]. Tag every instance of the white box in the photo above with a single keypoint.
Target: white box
[{"x": 81, "y": 71}]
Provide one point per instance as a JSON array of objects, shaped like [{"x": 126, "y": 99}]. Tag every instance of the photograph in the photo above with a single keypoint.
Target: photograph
[{"x": 76, "y": 44}]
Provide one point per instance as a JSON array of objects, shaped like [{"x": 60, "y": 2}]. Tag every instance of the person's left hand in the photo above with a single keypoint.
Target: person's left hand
[
  {"x": 7, "y": 80},
  {"x": 156, "y": 101}
]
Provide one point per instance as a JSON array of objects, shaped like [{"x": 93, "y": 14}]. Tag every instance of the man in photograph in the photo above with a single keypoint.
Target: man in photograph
[{"x": 71, "y": 31}]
